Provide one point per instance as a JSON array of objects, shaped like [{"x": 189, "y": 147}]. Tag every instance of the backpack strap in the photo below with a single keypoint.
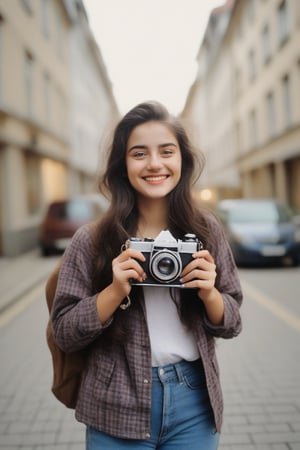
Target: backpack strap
[
  {"x": 67, "y": 368},
  {"x": 51, "y": 284}
]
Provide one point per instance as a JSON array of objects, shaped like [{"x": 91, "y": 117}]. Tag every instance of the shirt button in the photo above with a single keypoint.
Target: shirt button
[
  {"x": 146, "y": 381},
  {"x": 161, "y": 371},
  {"x": 147, "y": 435}
]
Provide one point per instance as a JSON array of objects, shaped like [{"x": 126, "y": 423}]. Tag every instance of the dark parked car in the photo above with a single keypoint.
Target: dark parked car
[
  {"x": 63, "y": 218},
  {"x": 260, "y": 231}
]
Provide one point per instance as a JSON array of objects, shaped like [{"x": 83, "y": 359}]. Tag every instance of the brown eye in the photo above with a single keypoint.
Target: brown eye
[
  {"x": 139, "y": 154},
  {"x": 167, "y": 152}
]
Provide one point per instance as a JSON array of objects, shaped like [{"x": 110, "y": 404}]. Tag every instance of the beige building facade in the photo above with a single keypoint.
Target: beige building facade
[
  {"x": 248, "y": 92},
  {"x": 93, "y": 108},
  {"x": 40, "y": 160}
]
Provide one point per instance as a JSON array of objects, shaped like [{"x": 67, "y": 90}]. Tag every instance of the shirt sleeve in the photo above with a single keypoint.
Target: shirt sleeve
[
  {"x": 227, "y": 283},
  {"x": 74, "y": 315}
]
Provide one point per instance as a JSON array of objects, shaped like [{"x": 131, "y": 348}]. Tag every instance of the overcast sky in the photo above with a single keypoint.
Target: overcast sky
[{"x": 150, "y": 46}]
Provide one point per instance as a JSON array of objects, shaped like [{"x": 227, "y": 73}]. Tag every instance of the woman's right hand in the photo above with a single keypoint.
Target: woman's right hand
[{"x": 126, "y": 267}]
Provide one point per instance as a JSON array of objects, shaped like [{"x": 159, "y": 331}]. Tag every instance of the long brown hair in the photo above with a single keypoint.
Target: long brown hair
[{"x": 121, "y": 219}]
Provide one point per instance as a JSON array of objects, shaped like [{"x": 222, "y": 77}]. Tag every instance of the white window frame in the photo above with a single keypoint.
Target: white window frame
[
  {"x": 29, "y": 82},
  {"x": 271, "y": 114},
  {"x": 287, "y": 100},
  {"x": 266, "y": 43},
  {"x": 253, "y": 131},
  {"x": 1, "y": 57},
  {"x": 27, "y": 5},
  {"x": 45, "y": 18},
  {"x": 283, "y": 22}
]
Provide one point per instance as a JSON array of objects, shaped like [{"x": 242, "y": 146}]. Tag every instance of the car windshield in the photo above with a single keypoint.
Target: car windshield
[
  {"x": 258, "y": 213},
  {"x": 74, "y": 210}
]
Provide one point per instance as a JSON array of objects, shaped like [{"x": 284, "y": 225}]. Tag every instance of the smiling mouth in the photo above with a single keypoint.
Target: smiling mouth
[{"x": 155, "y": 179}]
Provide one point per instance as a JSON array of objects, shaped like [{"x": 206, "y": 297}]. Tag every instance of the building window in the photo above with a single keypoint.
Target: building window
[
  {"x": 27, "y": 5},
  {"x": 282, "y": 20},
  {"x": 271, "y": 114},
  {"x": 287, "y": 100},
  {"x": 266, "y": 43},
  {"x": 253, "y": 137},
  {"x": 47, "y": 97},
  {"x": 251, "y": 65},
  {"x": 238, "y": 140},
  {"x": 29, "y": 83},
  {"x": 33, "y": 182},
  {"x": 59, "y": 37},
  {"x": 62, "y": 116},
  {"x": 1, "y": 56},
  {"x": 298, "y": 90},
  {"x": 45, "y": 18},
  {"x": 236, "y": 84},
  {"x": 250, "y": 11}
]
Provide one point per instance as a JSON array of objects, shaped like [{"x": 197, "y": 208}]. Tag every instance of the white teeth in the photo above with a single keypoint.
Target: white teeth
[{"x": 158, "y": 178}]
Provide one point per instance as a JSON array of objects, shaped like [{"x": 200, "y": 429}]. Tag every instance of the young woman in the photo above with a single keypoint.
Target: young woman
[{"x": 151, "y": 378}]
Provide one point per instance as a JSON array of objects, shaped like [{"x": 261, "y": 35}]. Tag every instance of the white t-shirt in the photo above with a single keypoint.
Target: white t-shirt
[{"x": 170, "y": 339}]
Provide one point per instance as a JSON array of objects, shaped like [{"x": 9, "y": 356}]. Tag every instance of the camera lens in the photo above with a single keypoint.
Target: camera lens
[{"x": 165, "y": 266}]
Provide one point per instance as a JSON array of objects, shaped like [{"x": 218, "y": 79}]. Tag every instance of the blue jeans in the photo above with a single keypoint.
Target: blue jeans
[{"x": 181, "y": 417}]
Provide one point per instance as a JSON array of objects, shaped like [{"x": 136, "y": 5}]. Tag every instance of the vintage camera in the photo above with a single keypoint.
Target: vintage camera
[{"x": 165, "y": 257}]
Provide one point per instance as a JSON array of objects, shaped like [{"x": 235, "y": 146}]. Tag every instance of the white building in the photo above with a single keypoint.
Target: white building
[
  {"x": 56, "y": 103},
  {"x": 248, "y": 92},
  {"x": 93, "y": 108}
]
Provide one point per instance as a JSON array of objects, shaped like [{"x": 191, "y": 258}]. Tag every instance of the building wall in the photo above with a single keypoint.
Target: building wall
[
  {"x": 39, "y": 153},
  {"x": 257, "y": 134},
  {"x": 34, "y": 112},
  {"x": 268, "y": 103},
  {"x": 210, "y": 111},
  {"x": 94, "y": 110}
]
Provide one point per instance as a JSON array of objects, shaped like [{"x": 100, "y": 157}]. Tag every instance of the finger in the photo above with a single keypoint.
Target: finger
[
  {"x": 203, "y": 254},
  {"x": 121, "y": 270},
  {"x": 130, "y": 264},
  {"x": 198, "y": 263},
  {"x": 131, "y": 253},
  {"x": 132, "y": 274},
  {"x": 121, "y": 275},
  {"x": 202, "y": 275},
  {"x": 199, "y": 284}
]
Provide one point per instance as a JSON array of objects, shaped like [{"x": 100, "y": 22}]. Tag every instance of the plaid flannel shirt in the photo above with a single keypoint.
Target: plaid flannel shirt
[{"x": 115, "y": 392}]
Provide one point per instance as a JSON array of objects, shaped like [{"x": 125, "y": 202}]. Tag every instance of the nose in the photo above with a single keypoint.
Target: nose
[{"x": 154, "y": 161}]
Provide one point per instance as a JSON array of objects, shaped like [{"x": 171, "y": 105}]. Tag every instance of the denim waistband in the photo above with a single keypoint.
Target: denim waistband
[{"x": 177, "y": 371}]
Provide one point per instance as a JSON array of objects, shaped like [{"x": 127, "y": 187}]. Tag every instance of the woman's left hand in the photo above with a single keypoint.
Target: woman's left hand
[{"x": 200, "y": 273}]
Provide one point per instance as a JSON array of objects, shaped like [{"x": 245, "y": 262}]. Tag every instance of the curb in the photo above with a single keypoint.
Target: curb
[{"x": 21, "y": 274}]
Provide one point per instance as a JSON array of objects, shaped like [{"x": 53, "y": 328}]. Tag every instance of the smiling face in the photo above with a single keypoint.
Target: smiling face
[{"x": 153, "y": 160}]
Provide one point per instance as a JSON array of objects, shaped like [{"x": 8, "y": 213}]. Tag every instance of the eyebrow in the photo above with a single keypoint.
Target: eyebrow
[{"x": 143, "y": 147}]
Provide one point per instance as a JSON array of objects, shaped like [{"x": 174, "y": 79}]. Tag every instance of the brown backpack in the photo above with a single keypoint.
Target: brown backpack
[{"x": 67, "y": 367}]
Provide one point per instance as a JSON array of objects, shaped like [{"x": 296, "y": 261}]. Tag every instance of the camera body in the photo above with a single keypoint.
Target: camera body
[{"x": 165, "y": 256}]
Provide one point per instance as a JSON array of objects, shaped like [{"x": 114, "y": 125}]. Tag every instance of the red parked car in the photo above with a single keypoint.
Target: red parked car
[{"x": 63, "y": 218}]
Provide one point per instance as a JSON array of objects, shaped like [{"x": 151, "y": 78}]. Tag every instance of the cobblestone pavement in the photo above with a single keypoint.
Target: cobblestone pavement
[
  {"x": 260, "y": 374},
  {"x": 20, "y": 274},
  {"x": 30, "y": 416}
]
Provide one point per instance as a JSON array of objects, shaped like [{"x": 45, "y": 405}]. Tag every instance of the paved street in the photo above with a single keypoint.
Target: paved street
[
  {"x": 260, "y": 372},
  {"x": 261, "y": 368},
  {"x": 31, "y": 417}
]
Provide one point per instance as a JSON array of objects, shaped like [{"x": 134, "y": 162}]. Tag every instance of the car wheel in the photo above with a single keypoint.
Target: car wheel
[
  {"x": 296, "y": 261},
  {"x": 45, "y": 251}
]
